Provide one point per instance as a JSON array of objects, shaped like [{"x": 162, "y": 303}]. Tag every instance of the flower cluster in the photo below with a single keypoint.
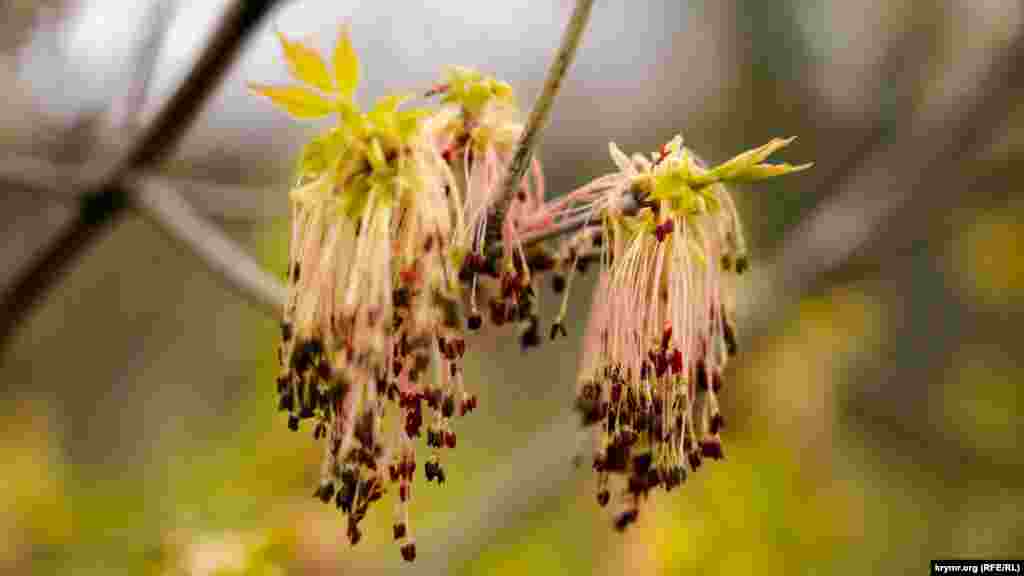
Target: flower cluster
[
  {"x": 661, "y": 328},
  {"x": 373, "y": 292},
  {"x": 388, "y": 270}
]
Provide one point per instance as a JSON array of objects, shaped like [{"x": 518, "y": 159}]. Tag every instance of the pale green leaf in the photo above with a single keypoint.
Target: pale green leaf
[
  {"x": 305, "y": 64},
  {"x": 346, "y": 64},
  {"x": 295, "y": 100}
]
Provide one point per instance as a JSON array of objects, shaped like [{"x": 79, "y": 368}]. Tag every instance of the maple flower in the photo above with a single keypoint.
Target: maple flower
[
  {"x": 661, "y": 326},
  {"x": 373, "y": 297},
  {"x": 477, "y": 130}
]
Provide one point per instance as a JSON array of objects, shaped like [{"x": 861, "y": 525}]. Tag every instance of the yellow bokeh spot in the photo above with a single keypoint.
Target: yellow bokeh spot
[
  {"x": 988, "y": 259},
  {"x": 801, "y": 368},
  {"x": 981, "y": 401}
]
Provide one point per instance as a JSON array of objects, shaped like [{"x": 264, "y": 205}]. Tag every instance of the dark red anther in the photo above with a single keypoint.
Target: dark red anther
[
  {"x": 660, "y": 365},
  {"x": 716, "y": 424},
  {"x": 712, "y": 448},
  {"x": 694, "y": 459},
  {"x": 433, "y": 397},
  {"x": 403, "y": 492},
  {"x": 677, "y": 362},
  {"x": 393, "y": 470},
  {"x": 409, "y": 552},
  {"x": 702, "y": 376},
  {"x": 449, "y": 439},
  {"x": 666, "y": 336},
  {"x": 413, "y": 421},
  {"x": 407, "y": 469},
  {"x": 664, "y": 229},
  {"x": 625, "y": 518},
  {"x": 616, "y": 392},
  {"x": 460, "y": 347},
  {"x": 716, "y": 382},
  {"x": 354, "y": 534},
  {"x": 323, "y": 369},
  {"x": 399, "y": 530}
]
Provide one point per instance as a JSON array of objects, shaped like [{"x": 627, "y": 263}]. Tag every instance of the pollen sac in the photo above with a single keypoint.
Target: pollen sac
[
  {"x": 409, "y": 551},
  {"x": 742, "y": 263},
  {"x": 558, "y": 283},
  {"x": 626, "y": 518}
]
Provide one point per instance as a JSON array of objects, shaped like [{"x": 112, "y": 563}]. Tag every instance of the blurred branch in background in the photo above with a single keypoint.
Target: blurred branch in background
[
  {"x": 108, "y": 200},
  {"x": 237, "y": 270},
  {"x": 127, "y": 108}
]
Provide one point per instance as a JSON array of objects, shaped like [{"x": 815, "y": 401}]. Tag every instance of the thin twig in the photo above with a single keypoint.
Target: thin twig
[
  {"x": 127, "y": 108},
  {"x": 570, "y": 225},
  {"x": 66, "y": 183},
  {"x": 539, "y": 114},
  {"x": 101, "y": 208}
]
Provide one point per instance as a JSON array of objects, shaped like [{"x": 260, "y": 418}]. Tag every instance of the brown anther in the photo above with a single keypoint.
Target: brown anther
[
  {"x": 409, "y": 552},
  {"x": 712, "y": 448},
  {"x": 716, "y": 424},
  {"x": 625, "y": 518}
]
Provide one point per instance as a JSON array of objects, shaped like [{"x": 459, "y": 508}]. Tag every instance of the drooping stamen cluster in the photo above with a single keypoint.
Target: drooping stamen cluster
[
  {"x": 661, "y": 328},
  {"x": 374, "y": 297},
  {"x": 477, "y": 130}
]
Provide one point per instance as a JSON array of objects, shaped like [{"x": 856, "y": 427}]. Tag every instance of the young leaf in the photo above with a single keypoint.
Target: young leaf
[
  {"x": 295, "y": 100},
  {"x": 305, "y": 64},
  {"x": 346, "y": 64},
  {"x": 764, "y": 171}
]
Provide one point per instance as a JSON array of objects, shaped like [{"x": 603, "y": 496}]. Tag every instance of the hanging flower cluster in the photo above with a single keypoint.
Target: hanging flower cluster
[
  {"x": 373, "y": 292},
  {"x": 661, "y": 328},
  {"x": 388, "y": 269}
]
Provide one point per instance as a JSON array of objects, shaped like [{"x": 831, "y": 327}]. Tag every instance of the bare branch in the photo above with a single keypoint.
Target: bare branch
[
  {"x": 108, "y": 201},
  {"x": 539, "y": 113}
]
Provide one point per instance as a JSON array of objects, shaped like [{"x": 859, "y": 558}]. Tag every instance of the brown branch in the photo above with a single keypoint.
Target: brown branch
[
  {"x": 101, "y": 208},
  {"x": 539, "y": 115}
]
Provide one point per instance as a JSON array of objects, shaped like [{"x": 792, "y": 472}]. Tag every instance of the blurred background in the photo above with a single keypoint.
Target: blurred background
[{"x": 873, "y": 413}]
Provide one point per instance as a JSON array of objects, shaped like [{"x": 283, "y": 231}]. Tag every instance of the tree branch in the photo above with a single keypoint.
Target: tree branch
[
  {"x": 539, "y": 114},
  {"x": 101, "y": 207}
]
